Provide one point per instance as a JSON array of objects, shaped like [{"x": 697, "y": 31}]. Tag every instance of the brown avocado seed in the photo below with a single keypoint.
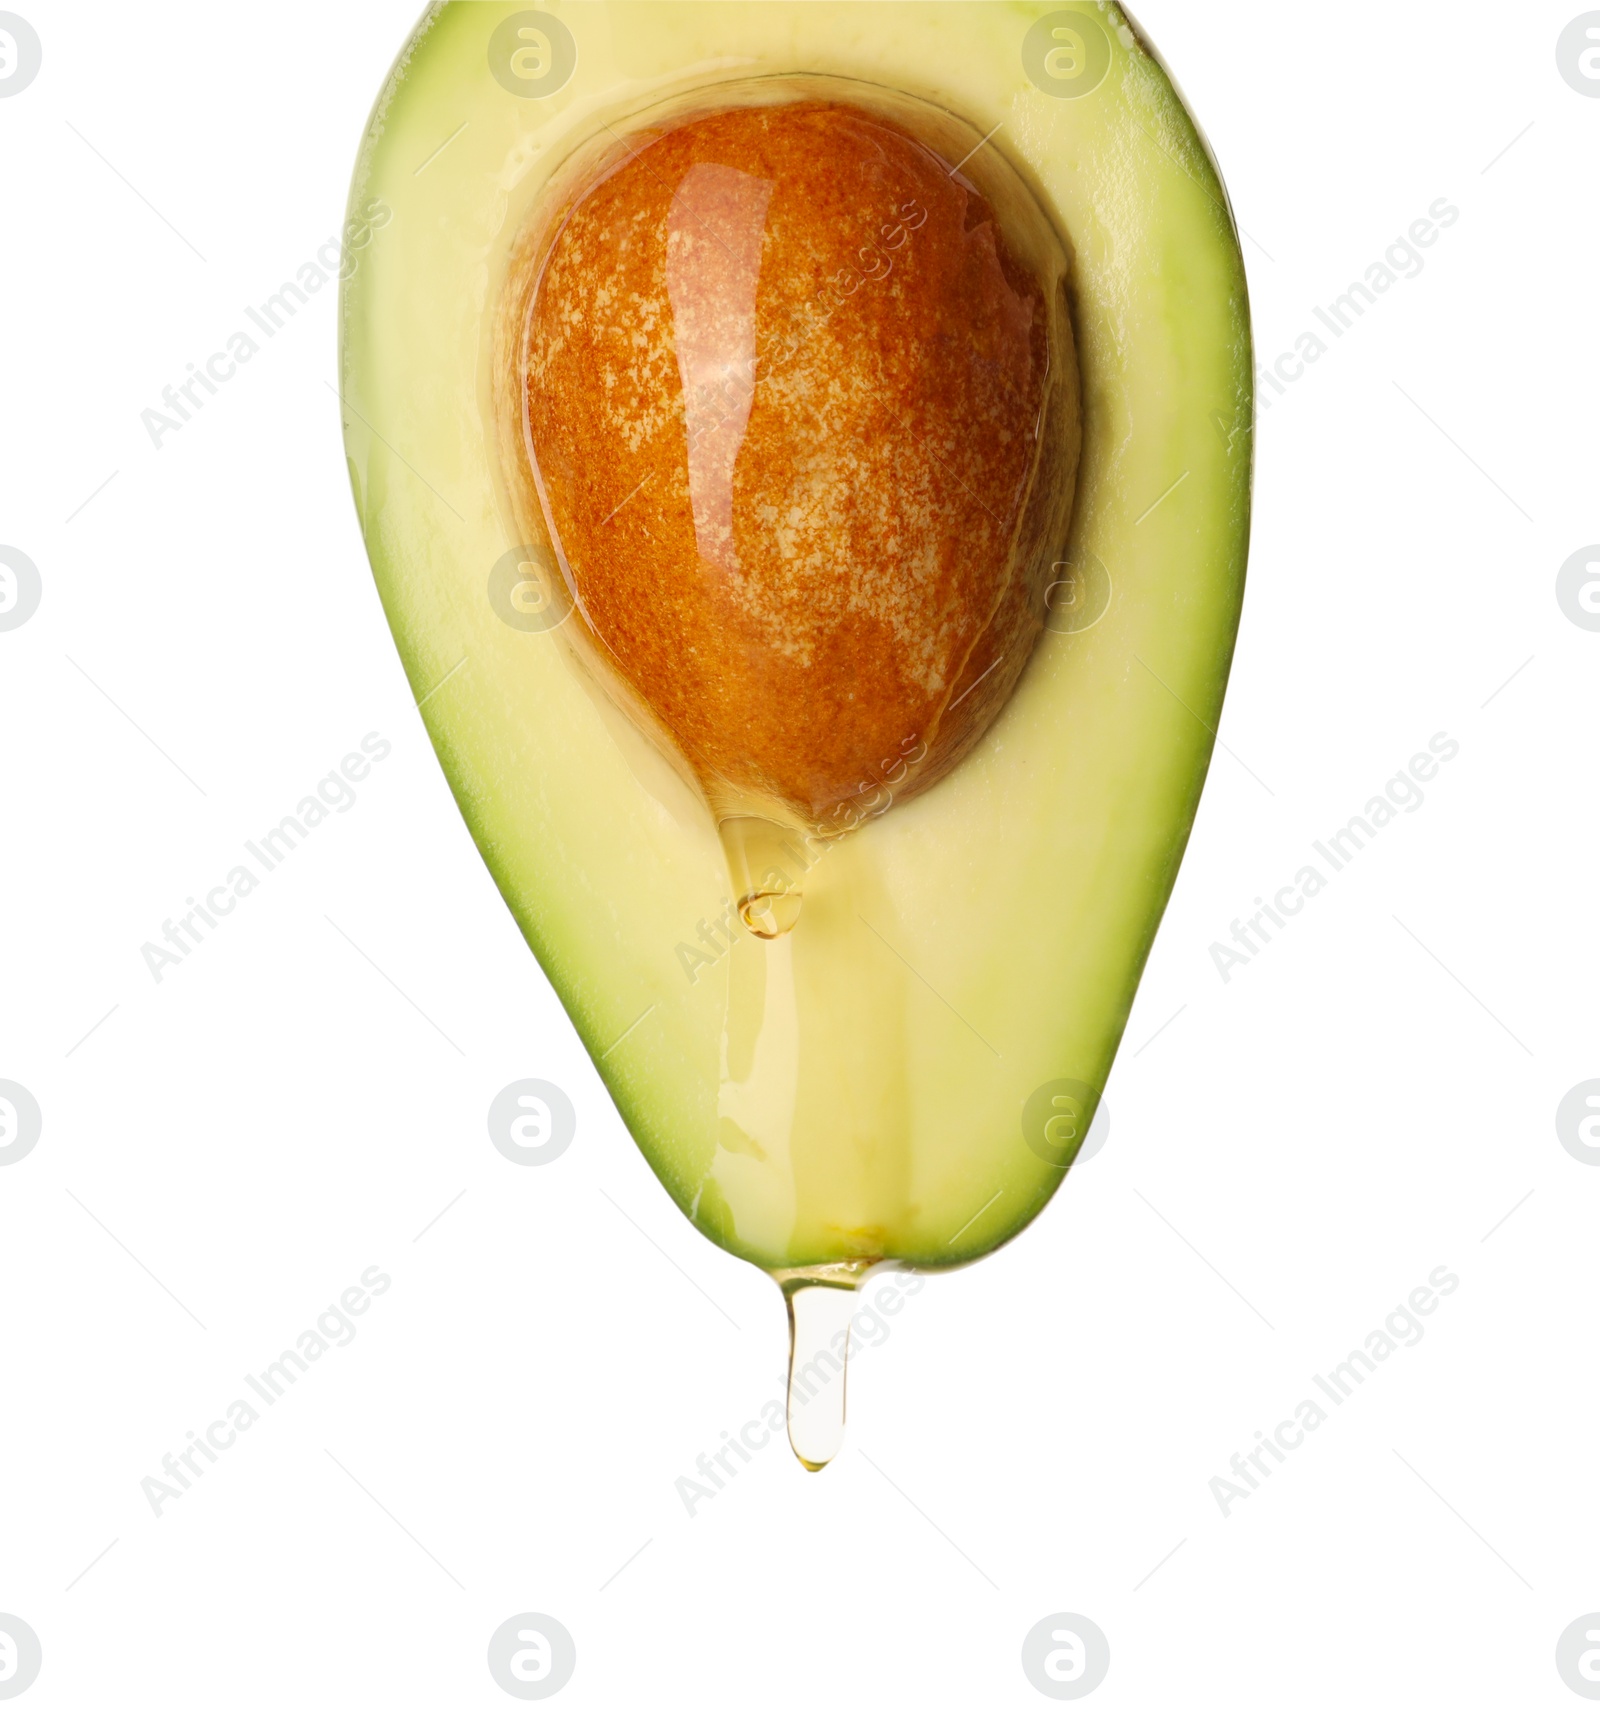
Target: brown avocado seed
[{"x": 799, "y": 397}]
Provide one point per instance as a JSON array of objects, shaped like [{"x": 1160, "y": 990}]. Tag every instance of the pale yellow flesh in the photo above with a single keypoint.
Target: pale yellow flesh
[{"x": 854, "y": 1088}]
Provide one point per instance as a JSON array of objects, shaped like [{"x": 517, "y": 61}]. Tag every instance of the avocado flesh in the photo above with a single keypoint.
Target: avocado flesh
[{"x": 854, "y": 1089}]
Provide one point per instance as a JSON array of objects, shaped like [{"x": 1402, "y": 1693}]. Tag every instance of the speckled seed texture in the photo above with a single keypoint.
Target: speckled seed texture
[{"x": 785, "y": 385}]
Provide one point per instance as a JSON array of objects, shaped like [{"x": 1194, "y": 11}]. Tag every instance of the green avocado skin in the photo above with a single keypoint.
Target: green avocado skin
[{"x": 909, "y": 1073}]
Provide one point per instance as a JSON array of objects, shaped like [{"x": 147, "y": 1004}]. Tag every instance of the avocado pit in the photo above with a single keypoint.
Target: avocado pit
[{"x": 798, "y": 402}]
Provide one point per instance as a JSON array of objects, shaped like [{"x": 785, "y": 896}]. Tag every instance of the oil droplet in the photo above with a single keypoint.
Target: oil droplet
[
  {"x": 821, "y": 1301},
  {"x": 819, "y": 1353},
  {"x": 768, "y": 915},
  {"x": 766, "y": 862}
]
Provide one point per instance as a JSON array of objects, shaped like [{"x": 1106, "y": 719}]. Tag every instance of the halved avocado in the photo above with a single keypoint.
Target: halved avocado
[{"x": 907, "y": 1072}]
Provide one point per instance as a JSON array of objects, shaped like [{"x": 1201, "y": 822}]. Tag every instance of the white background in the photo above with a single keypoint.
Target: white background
[{"x": 1356, "y": 1107}]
